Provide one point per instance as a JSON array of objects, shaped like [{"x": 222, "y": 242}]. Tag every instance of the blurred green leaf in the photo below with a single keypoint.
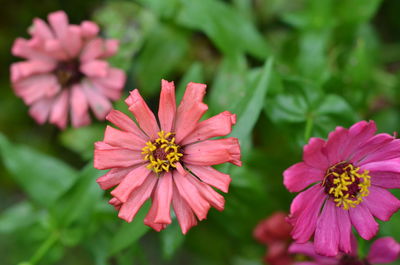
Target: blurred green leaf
[
  {"x": 81, "y": 140},
  {"x": 17, "y": 216},
  {"x": 230, "y": 31},
  {"x": 193, "y": 74},
  {"x": 129, "y": 233},
  {"x": 43, "y": 177},
  {"x": 171, "y": 239}
]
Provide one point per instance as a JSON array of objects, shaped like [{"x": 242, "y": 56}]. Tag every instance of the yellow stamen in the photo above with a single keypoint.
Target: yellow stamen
[{"x": 162, "y": 153}]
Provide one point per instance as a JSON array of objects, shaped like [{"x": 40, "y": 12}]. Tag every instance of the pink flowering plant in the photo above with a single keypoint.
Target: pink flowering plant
[{"x": 274, "y": 140}]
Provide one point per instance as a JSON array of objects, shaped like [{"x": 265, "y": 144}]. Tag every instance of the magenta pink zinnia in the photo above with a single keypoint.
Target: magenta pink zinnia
[
  {"x": 383, "y": 250},
  {"x": 65, "y": 72},
  {"x": 170, "y": 161},
  {"x": 345, "y": 180}
]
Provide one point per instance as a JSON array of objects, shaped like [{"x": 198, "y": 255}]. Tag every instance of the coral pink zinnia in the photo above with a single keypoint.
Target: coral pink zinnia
[
  {"x": 349, "y": 176},
  {"x": 65, "y": 72},
  {"x": 169, "y": 162}
]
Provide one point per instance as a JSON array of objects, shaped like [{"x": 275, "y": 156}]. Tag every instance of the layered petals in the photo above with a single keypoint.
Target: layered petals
[
  {"x": 384, "y": 250},
  {"x": 300, "y": 176}
]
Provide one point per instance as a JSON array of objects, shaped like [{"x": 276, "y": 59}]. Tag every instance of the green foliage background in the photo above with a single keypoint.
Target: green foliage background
[{"x": 289, "y": 70}]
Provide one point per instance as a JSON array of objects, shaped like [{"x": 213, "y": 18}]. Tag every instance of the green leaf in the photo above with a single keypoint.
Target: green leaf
[
  {"x": 127, "y": 22},
  {"x": 79, "y": 202},
  {"x": 288, "y": 108},
  {"x": 230, "y": 31},
  {"x": 17, "y": 216},
  {"x": 81, "y": 140},
  {"x": 165, "y": 49},
  {"x": 129, "y": 233},
  {"x": 171, "y": 239},
  {"x": 43, "y": 177}
]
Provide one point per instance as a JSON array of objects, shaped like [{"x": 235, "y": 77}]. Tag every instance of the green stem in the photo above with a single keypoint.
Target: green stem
[
  {"x": 309, "y": 127},
  {"x": 44, "y": 248}
]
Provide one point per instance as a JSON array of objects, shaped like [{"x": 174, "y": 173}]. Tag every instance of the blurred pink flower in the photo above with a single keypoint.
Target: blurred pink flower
[
  {"x": 383, "y": 250},
  {"x": 274, "y": 232},
  {"x": 352, "y": 171},
  {"x": 169, "y": 162},
  {"x": 65, "y": 71}
]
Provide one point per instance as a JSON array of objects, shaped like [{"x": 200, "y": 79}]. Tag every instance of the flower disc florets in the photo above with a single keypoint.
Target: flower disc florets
[
  {"x": 346, "y": 184},
  {"x": 162, "y": 153}
]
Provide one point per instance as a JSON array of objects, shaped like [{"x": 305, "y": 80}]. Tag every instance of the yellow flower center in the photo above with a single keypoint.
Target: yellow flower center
[
  {"x": 162, "y": 153},
  {"x": 346, "y": 184}
]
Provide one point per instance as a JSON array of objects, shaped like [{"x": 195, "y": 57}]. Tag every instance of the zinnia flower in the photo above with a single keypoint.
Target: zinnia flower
[
  {"x": 274, "y": 232},
  {"x": 169, "y": 162},
  {"x": 383, "y": 250},
  {"x": 65, "y": 71},
  {"x": 348, "y": 176}
]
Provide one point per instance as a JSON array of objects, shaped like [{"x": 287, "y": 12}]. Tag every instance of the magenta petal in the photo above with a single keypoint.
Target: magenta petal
[
  {"x": 313, "y": 154},
  {"x": 308, "y": 250},
  {"x": 336, "y": 145},
  {"x": 358, "y": 134},
  {"x": 300, "y": 176},
  {"x": 372, "y": 145},
  {"x": 381, "y": 203},
  {"x": 304, "y": 212},
  {"x": 384, "y": 250},
  {"x": 167, "y": 107},
  {"x": 344, "y": 225},
  {"x": 363, "y": 221},
  {"x": 387, "y": 151},
  {"x": 326, "y": 239}
]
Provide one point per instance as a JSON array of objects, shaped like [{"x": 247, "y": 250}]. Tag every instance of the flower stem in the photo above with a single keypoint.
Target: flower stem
[
  {"x": 309, "y": 127},
  {"x": 44, "y": 248}
]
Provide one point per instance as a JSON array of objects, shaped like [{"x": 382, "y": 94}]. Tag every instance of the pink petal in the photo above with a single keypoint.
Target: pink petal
[
  {"x": 211, "y": 176},
  {"x": 213, "y": 152},
  {"x": 55, "y": 49},
  {"x": 24, "y": 69},
  {"x": 326, "y": 239},
  {"x": 113, "y": 177},
  {"x": 381, "y": 203},
  {"x": 40, "y": 110},
  {"x": 336, "y": 145},
  {"x": 190, "y": 110},
  {"x": 132, "y": 181},
  {"x": 72, "y": 41},
  {"x": 36, "y": 87},
  {"x": 107, "y": 156},
  {"x": 300, "y": 176},
  {"x": 149, "y": 220},
  {"x": 59, "y": 112},
  {"x": 92, "y": 50},
  {"x": 384, "y": 173},
  {"x": 79, "y": 107},
  {"x": 125, "y": 123},
  {"x": 163, "y": 193},
  {"x": 384, "y": 250},
  {"x": 59, "y": 22},
  {"x": 89, "y": 29},
  {"x": 21, "y": 48},
  {"x": 114, "y": 80},
  {"x": 95, "y": 68},
  {"x": 183, "y": 212},
  {"x": 344, "y": 225},
  {"x": 307, "y": 249},
  {"x": 313, "y": 154},
  {"x": 214, "y": 198},
  {"x": 167, "y": 107},
  {"x": 143, "y": 114},
  {"x": 123, "y": 139},
  {"x": 110, "y": 48},
  {"x": 99, "y": 104},
  {"x": 137, "y": 198},
  {"x": 219, "y": 125},
  {"x": 116, "y": 203},
  {"x": 41, "y": 29},
  {"x": 191, "y": 195},
  {"x": 304, "y": 212},
  {"x": 363, "y": 221}
]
